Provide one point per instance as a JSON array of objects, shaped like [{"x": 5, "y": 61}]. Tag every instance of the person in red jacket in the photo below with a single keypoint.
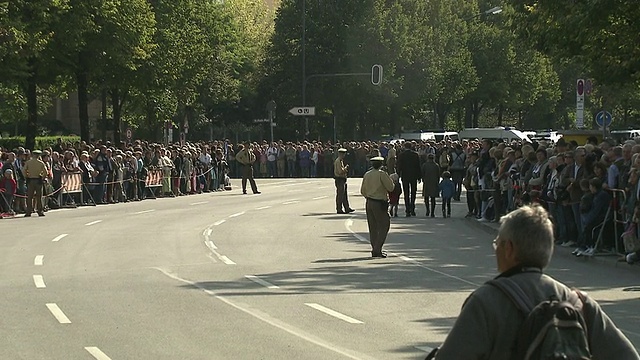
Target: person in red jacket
[{"x": 8, "y": 188}]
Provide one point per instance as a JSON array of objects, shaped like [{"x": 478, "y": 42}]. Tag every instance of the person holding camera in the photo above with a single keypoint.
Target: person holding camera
[{"x": 35, "y": 171}]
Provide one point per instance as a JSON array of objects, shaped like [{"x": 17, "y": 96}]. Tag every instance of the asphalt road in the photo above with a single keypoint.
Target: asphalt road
[{"x": 271, "y": 276}]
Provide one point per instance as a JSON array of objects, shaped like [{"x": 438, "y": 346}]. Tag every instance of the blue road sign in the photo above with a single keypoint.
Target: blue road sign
[{"x": 604, "y": 117}]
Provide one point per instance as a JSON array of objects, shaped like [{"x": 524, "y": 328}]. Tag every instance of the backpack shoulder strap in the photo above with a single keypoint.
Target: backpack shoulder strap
[{"x": 515, "y": 293}]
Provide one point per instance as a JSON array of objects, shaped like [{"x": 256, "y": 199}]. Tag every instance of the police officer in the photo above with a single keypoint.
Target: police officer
[
  {"x": 340, "y": 171},
  {"x": 35, "y": 171},
  {"x": 246, "y": 158},
  {"x": 376, "y": 185}
]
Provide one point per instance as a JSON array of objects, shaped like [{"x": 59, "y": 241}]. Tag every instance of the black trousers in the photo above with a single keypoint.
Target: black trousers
[
  {"x": 410, "y": 188},
  {"x": 342, "y": 200}
]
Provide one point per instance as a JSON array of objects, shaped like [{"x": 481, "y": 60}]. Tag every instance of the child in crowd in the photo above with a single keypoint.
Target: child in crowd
[
  {"x": 8, "y": 188},
  {"x": 447, "y": 190},
  {"x": 394, "y": 196}
]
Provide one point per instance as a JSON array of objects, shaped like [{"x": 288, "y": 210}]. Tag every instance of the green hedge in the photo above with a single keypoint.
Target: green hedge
[{"x": 42, "y": 142}]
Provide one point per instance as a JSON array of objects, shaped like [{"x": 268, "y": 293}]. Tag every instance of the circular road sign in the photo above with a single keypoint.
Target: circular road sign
[{"x": 603, "y": 118}]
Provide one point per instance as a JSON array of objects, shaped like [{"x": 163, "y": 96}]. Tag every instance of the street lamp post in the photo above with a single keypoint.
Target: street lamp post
[{"x": 304, "y": 65}]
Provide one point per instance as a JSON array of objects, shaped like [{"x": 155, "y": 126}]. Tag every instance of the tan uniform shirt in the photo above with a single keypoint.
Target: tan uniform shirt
[
  {"x": 246, "y": 157},
  {"x": 34, "y": 169},
  {"x": 339, "y": 170},
  {"x": 376, "y": 184}
]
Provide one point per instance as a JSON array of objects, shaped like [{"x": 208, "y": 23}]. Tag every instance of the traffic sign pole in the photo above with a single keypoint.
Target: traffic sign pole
[{"x": 580, "y": 103}]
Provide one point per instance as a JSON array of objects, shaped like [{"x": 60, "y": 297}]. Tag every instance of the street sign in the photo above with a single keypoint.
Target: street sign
[
  {"x": 261, "y": 120},
  {"x": 604, "y": 118},
  {"x": 376, "y": 74},
  {"x": 129, "y": 134},
  {"x": 273, "y": 125},
  {"x": 303, "y": 111},
  {"x": 580, "y": 87},
  {"x": 580, "y": 103}
]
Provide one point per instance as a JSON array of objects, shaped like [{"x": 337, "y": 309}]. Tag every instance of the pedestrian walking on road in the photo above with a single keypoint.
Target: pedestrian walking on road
[
  {"x": 340, "y": 171},
  {"x": 246, "y": 158},
  {"x": 376, "y": 185},
  {"x": 409, "y": 171},
  {"x": 447, "y": 191},
  {"x": 491, "y": 324},
  {"x": 430, "y": 184},
  {"x": 35, "y": 171}
]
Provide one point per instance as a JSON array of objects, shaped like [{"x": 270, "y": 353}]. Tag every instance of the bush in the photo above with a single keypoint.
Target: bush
[{"x": 42, "y": 142}]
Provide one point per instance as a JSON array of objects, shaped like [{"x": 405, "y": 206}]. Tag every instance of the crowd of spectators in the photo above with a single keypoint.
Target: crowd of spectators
[{"x": 576, "y": 183}]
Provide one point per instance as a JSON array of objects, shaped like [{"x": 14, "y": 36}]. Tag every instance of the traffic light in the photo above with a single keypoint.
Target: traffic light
[
  {"x": 376, "y": 74},
  {"x": 580, "y": 87}
]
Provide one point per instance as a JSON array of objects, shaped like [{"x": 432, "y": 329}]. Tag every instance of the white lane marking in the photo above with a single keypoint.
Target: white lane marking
[
  {"x": 264, "y": 207},
  {"x": 97, "y": 353},
  {"x": 39, "y": 281},
  {"x": 264, "y": 283},
  {"x": 144, "y": 212},
  {"x": 39, "y": 260},
  {"x": 334, "y": 313},
  {"x": 226, "y": 260},
  {"x": 219, "y": 222},
  {"x": 93, "y": 223},
  {"x": 59, "y": 237},
  {"x": 237, "y": 214},
  {"x": 208, "y": 232},
  {"x": 58, "y": 314},
  {"x": 424, "y": 348},
  {"x": 290, "y": 202},
  {"x": 210, "y": 245},
  {"x": 199, "y": 203},
  {"x": 268, "y": 319},
  {"x": 349, "y": 222},
  {"x": 320, "y": 197}
]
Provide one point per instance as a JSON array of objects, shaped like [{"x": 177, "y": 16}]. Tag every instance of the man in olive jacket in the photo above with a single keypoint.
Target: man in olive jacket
[{"x": 489, "y": 321}]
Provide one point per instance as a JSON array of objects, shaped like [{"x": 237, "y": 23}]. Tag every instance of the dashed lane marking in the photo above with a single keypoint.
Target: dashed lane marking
[
  {"x": 237, "y": 214},
  {"x": 264, "y": 207},
  {"x": 39, "y": 260},
  {"x": 219, "y": 222},
  {"x": 268, "y": 319},
  {"x": 59, "y": 237},
  {"x": 290, "y": 202},
  {"x": 39, "y": 281},
  {"x": 97, "y": 353},
  {"x": 93, "y": 223},
  {"x": 264, "y": 283},
  {"x": 58, "y": 314},
  {"x": 226, "y": 260},
  {"x": 320, "y": 197},
  {"x": 144, "y": 212},
  {"x": 334, "y": 313},
  {"x": 199, "y": 203}
]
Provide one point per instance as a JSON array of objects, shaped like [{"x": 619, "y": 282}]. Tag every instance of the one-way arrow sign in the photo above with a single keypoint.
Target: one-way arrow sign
[{"x": 303, "y": 111}]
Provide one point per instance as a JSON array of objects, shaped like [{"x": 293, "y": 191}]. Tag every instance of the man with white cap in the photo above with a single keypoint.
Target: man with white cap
[
  {"x": 340, "y": 171},
  {"x": 376, "y": 185},
  {"x": 35, "y": 171}
]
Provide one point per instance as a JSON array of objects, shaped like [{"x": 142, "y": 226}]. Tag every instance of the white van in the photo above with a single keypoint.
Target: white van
[
  {"x": 446, "y": 136},
  {"x": 417, "y": 136},
  {"x": 498, "y": 133},
  {"x": 623, "y": 135}
]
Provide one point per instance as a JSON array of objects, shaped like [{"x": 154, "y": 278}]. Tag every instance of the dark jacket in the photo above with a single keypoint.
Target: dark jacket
[
  {"x": 430, "y": 179},
  {"x": 409, "y": 165},
  {"x": 596, "y": 215}
]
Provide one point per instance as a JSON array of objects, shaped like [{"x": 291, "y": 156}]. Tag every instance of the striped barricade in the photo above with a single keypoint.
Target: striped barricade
[
  {"x": 71, "y": 184},
  {"x": 154, "y": 179}
]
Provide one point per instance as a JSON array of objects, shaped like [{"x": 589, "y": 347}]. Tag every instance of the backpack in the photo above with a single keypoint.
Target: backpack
[{"x": 552, "y": 329}]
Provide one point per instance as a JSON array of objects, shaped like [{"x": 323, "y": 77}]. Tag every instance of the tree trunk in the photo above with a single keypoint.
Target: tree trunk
[
  {"x": 500, "y": 113},
  {"x": 83, "y": 102},
  {"x": 117, "y": 114},
  {"x": 104, "y": 113},
  {"x": 468, "y": 115},
  {"x": 32, "y": 107}
]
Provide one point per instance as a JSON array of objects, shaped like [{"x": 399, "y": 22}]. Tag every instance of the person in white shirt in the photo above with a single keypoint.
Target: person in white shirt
[{"x": 272, "y": 157}]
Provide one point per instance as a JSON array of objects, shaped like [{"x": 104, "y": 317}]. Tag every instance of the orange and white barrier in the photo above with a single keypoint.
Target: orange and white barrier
[{"x": 154, "y": 178}]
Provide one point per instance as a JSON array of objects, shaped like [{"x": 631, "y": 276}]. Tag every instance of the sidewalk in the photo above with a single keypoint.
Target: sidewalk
[{"x": 565, "y": 252}]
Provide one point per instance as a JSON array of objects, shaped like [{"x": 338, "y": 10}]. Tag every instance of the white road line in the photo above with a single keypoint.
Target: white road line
[
  {"x": 334, "y": 313},
  {"x": 59, "y": 237},
  {"x": 210, "y": 245},
  {"x": 226, "y": 260},
  {"x": 39, "y": 281},
  {"x": 97, "y": 353},
  {"x": 264, "y": 207},
  {"x": 143, "y": 212},
  {"x": 290, "y": 202},
  {"x": 320, "y": 197},
  {"x": 93, "y": 223},
  {"x": 264, "y": 283},
  {"x": 237, "y": 214},
  {"x": 58, "y": 314},
  {"x": 424, "y": 348},
  {"x": 348, "y": 223},
  {"x": 39, "y": 260},
  {"x": 219, "y": 222},
  {"x": 199, "y": 203},
  {"x": 208, "y": 232},
  {"x": 276, "y": 323}
]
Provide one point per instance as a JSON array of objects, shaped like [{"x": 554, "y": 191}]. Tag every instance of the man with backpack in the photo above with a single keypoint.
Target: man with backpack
[{"x": 525, "y": 314}]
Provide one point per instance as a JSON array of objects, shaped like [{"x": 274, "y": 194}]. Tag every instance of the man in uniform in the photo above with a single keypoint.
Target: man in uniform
[
  {"x": 376, "y": 185},
  {"x": 35, "y": 171},
  {"x": 246, "y": 158},
  {"x": 340, "y": 171}
]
